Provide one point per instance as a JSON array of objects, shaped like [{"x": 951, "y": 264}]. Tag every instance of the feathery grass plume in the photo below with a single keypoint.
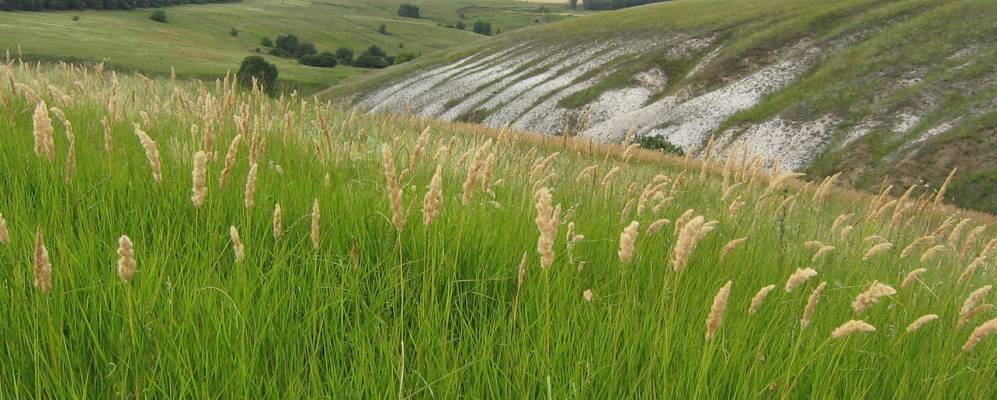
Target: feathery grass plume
[
  {"x": 608, "y": 178},
  {"x": 588, "y": 173},
  {"x": 44, "y": 143},
  {"x": 982, "y": 331},
  {"x": 840, "y": 221},
  {"x": 851, "y": 327},
  {"x": 990, "y": 249},
  {"x": 971, "y": 239},
  {"x": 911, "y": 276},
  {"x": 588, "y": 295},
  {"x": 394, "y": 189},
  {"x": 474, "y": 171},
  {"x": 237, "y": 248},
  {"x": 656, "y": 226},
  {"x": 731, "y": 245},
  {"x": 420, "y": 144},
  {"x": 433, "y": 201},
  {"x": 871, "y": 296},
  {"x": 815, "y": 244},
  {"x": 916, "y": 244},
  {"x": 974, "y": 298},
  {"x": 626, "y": 210},
  {"x": 70, "y": 140},
  {"x": 250, "y": 186},
  {"x": 108, "y": 139},
  {"x": 943, "y": 227},
  {"x": 693, "y": 231},
  {"x": 956, "y": 234},
  {"x": 901, "y": 207},
  {"x": 974, "y": 312},
  {"x": 126, "y": 259},
  {"x": 199, "y": 188},
  {"x": 43, "y": 267},
  {"x": 941, "y": 191},
  {"x": 627, "y": 239},
  {"x": 4, "y": 232},
  {"x": 875, "y": 239},
  {"x": 735, "y": 207},
  {"x": 717, "y": 310},
  {"x": 808, "y": 312},
  {"x": 756, "y": 302},
  {"x": 799, "y": 277},
  {"x": 278, "y": 222},
  {"x": 547, "y": 222},
  {"x": 315, "y": 224},
  {"x": 730, "y": 190},
  {"x": 233, "y": 150},
  {"x": 918, "y": 323},
  {"x": 785, "y": 207},
  {"x": 876, "y": 250},
  {"x": 966, "y": 274},
  {"x": 151, "y": 152},
  {"x": 932, "y": 252},
  {"x": 682, "y": 220},
  {"x": 821, "y": 252},
  {"x": 846, "y": 231},
  {"x": 521, "y": 272},
  {"x": 824, "y": 188}
]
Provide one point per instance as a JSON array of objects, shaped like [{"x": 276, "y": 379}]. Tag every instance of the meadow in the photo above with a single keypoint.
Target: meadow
[
  {"x": 171, "y": 238},
  {"x": 196, "y": 41}
]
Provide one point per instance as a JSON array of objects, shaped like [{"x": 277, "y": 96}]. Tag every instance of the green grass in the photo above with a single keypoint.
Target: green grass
[
  {"x": 196, "y": 40},
  {"x": 293, "y": 321}
]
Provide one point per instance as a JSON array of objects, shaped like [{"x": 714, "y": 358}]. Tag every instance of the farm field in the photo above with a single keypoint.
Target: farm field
[
  {"x": 196, "y": 40},
  {"x": 168, "y": 238}
]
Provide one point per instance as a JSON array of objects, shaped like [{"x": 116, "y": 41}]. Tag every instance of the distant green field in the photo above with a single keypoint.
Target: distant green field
[{"x": 197, "y": 41}]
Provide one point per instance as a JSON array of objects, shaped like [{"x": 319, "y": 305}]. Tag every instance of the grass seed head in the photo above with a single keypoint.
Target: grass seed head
[
  {"x": 126, "y": 259},
  {"x": 808, "y": 312},
  {"x": 43, "y": 266},
  {"x": 871, "y": 296},
  {"x": 627, "y": 239},
  {"x": 237, "y": 248},
  {"x": 918, "y": 323},
  {"x": 199, "y": 187},
  {"x": 851, "y": 327},
  {"x": 756, "y": 302},
  {"x": 799, "y": 277},
  {"x": 985, "y": 329},
  {"x": 717, "y": 310}
]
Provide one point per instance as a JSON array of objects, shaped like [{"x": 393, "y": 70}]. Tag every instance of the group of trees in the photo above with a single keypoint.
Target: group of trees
[
  {"x": 43, "y": 5},
  {"x": 609, "y": 4},
  {"x": 408, "y": 11},
  {"x": 289, "y": 46}
]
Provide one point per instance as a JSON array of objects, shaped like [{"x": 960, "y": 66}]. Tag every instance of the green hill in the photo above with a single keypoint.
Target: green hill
[
  {"x": 197, "y": 41},
  {"x": 879, "y": 90}
]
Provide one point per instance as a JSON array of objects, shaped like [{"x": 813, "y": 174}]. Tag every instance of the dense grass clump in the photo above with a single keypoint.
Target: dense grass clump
[{"x": 188, "y": 239}]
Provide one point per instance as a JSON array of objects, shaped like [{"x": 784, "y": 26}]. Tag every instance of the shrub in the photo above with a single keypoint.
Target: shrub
[
  {"x": 234, "y": 32},
  {"x": 344, "y": 55},
  {"x": 266, "y": 42},
  {"x": 659, "y": 143},
  {"x": 76, "y": 18},
  {"x": 158, "y": 16},
  {"x": 461, "y": 25},
  {"x": 482, "y": 28},
  {"x": 264, "y": 72},
  {"x": 404, "y": 57},
  {"x": 382, "y": 29},
  {"x": 373, "y": 57},
  {"x": 408, "y": 11},
  {"x": 324, "y": 60}
]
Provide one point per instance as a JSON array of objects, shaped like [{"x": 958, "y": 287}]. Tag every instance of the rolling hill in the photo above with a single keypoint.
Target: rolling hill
[
  {"x": 881, "y": 90},
  {"x": 197, "y": 40}
]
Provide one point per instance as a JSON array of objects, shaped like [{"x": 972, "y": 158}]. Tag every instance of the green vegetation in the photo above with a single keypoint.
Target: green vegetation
[
  {"x": 158, "y": 16},
  {"x": 408, "y": 11},
  {"x": 365, "y": 291},
  {"x": 254, "y": 69},
  {"x": 660, "y": 144},
  {"x": 48, "y": 5}
]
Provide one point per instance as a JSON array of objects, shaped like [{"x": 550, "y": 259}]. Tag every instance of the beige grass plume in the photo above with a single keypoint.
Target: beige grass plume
[
  {"x": 956, "y": 234},
  {"x": 966, "y": 313},
  {"x": 756, "y": 302},
  {"x": 808, "y": 312},
  {"x": 70, "y": 140},
  {"x": 877, "y": 250},
  {"x": 871, "y": 296},
  {"x": 474, "y": 171},
  {"x": 656, "y": 226},
  {"x": 932, "y": 252},
  {"x": 971, "y": 269},
  {"x": 233, "y": 151},
  {"x": 237, "y": 248},
  {"x": 823, "y": 250},
  {"x": 43, "y": 267},
  {"x": 627, "y": 239},
  {"x": 547, "y": 222},
  {"x": 44, "y": 143},
  {"x": 250, "y": 186},
  {"x": 918, "y": 323},
  {"x": 151, "y": 152},
  {"x": 971, "y": 239},
  {"x": 199, "y": 187},
  {"x": 588, "y": 173},
  {"x": 815, "y": 244},
  {"x": 433, "y": 201},
  {"x": 693, "y": 231},
  {"x": 4, "y": 232},
  {"x": 682, "y": 220},
  {"x": 716, "y": 317},
  {"x": 941, "y": 191},
  {"x": 521, "y": 272},
  {"x": 278, "y": 222},
  {"x": 916, "y": 244},
  {"x": 126, "y": 259},
  {"x": 851, "y": 327},
  {"x": 731, "y": 245},
  {"x": 911, "y": 276},
  {"x": 985, "y": 329},
  {"x": 799, "y": 277},
  {"x": 394, "y": 189},
  {"x": 316, "y": 214}
]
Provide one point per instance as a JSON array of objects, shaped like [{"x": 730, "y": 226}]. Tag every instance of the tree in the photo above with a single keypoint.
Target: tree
[
  {"x": 304, "y": 48},
  {"x": 572, "y": 4},
  {"x": 324, "y": 60},
  {"x": 234, "y": 32},
  {"x": 158, "y": 16},
  {"x": 482, "y": 28},
  {"x": 382, "y": 29},
  {"x": 461, "y": 25},
  {"x": 408, "y": 11},
  {"x": 266, "y": 42},
  {"x": 373, "y": 57},
  {"x": 344, "y": 55},
  {"x": 264, "y": 72}
]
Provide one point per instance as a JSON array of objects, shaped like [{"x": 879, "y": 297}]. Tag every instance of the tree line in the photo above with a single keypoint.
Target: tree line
[
  {"x": 609, "y": 4},
  {"x": 44, "y": 5}
]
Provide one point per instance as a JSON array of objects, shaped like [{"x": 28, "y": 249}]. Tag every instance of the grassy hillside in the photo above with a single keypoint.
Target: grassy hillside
[
  {"x": 636, "y": 279},
  {"x": 196, "y": 40},
  {"x": 899, "y": 90}
]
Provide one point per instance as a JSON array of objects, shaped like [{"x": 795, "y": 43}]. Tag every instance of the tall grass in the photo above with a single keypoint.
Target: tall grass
[{"x": 250, "y": 294}]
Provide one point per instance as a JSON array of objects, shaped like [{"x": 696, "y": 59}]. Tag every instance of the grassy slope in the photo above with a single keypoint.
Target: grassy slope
[
  {"x": 929, "y": 42},
  {"x": 197, "y": 42},
  {"x": 296, "y": 322}
]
